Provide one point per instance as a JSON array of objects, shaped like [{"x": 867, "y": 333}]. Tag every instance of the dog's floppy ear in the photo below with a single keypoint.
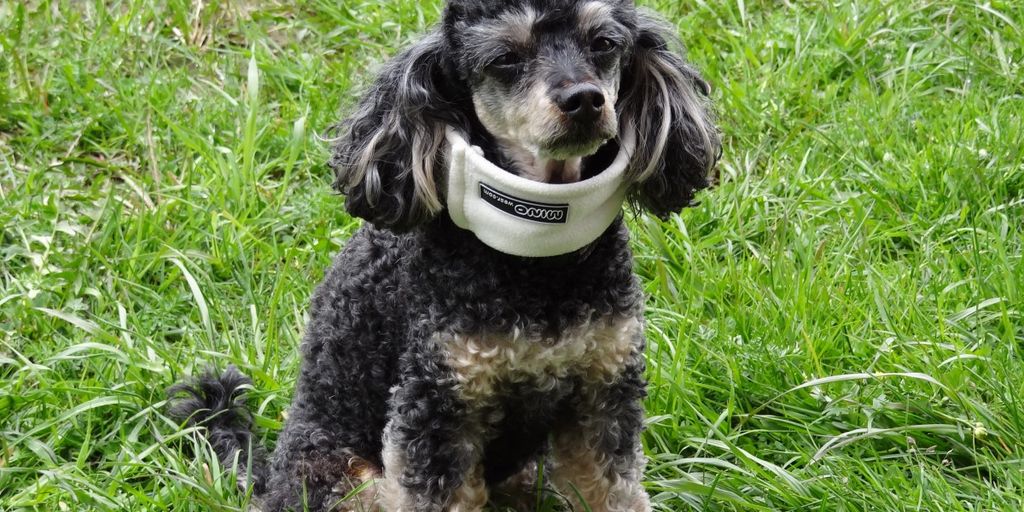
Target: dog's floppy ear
[
  {"x": 388, "y": 150},
  {"x": 666, "y": 101}
]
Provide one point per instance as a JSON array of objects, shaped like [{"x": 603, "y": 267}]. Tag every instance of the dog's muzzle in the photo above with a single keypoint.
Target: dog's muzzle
[{"x": 529, "y": 218}]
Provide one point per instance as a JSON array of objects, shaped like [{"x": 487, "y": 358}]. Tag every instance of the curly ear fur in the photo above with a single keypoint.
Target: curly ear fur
[
  {"x": 388, "y": 149},
  {"x": 666, "y": 101}
]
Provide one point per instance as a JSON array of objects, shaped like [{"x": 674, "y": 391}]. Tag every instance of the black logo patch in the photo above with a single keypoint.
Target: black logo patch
[{"x": 529, "y": 210}]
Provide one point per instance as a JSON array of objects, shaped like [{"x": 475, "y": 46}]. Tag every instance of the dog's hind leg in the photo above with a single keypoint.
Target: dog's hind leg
[
  {"x": 312, "y": 468},
  {"x": 312, "y": 471},
  {"x": 327, "y": 457}
]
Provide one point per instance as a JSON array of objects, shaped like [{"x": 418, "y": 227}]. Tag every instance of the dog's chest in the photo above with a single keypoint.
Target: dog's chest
[{"x": 597, "y": 351}]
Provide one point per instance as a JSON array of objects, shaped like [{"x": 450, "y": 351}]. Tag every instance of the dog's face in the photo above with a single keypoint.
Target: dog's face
[
  {"x": 544, "y": 80},
  {"x": 539, "y": 85}
]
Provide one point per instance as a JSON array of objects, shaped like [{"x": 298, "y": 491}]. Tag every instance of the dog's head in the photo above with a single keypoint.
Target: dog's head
[{"x": 544, "y": 86}]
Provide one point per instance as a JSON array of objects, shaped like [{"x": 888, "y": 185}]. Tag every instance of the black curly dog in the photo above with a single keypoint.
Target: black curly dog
[{"x": 437, "y": 373}]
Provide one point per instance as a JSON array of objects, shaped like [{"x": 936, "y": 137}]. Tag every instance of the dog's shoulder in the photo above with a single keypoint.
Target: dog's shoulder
[{"x": 370, "y": 270}]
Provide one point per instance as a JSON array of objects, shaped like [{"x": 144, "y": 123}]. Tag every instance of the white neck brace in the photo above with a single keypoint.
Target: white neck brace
[{"x": 529, "y": 218}]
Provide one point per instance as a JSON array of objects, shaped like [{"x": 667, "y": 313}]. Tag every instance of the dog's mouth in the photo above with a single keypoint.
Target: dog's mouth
[
  {"x": 567, "y": 159},
  {"x": 582, "y": 168},
  {"x": 573, "y": 163},
  {"x": 600, "y": 160}
]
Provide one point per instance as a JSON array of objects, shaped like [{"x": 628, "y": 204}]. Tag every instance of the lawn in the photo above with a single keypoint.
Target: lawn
[{"x": 838, "y": 325}]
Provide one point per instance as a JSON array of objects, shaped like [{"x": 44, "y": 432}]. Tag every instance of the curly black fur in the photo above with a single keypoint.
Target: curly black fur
[
  {"x": 216, "y": 402},
  {"x": 676, "y": 155},
  {"x": 436, "y": 368}
]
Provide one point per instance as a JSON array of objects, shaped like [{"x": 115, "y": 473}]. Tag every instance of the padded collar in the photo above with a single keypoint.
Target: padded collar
[{"x": 522, "y": 217}]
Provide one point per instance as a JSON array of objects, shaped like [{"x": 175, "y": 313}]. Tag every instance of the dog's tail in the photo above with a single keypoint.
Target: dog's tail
[{"x": 217, "y": 403}]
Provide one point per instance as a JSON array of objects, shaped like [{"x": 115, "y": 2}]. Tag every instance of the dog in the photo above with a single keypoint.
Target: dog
[{"x": 440, "y": 374}]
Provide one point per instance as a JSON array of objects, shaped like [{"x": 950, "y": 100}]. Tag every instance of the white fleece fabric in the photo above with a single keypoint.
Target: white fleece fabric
[{"x": 529, "y": 218}]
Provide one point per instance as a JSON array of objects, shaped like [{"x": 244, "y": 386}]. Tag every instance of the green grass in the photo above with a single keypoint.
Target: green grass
[{"x": 837, "y": 327}]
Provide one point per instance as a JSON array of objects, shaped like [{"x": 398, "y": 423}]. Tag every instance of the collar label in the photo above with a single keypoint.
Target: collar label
[{"x": 526, "y": 210}]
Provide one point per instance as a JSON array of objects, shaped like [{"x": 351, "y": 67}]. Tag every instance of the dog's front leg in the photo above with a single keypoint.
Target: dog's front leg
[
  {"x": 598, "y": 459},
  {"x": 432, "y": 447}
]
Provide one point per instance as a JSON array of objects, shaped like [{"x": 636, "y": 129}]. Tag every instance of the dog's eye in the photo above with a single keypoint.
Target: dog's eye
[
  {"x": 507, "y": 59},
  {"x": 602, "y": 45}
]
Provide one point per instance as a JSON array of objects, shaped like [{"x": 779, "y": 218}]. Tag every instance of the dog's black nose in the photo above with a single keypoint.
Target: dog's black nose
[{"x": 581, "y": 102}]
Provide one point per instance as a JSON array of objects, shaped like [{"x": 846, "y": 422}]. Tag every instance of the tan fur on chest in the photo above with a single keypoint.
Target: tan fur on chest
[{"x": 595, "y": 352}]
